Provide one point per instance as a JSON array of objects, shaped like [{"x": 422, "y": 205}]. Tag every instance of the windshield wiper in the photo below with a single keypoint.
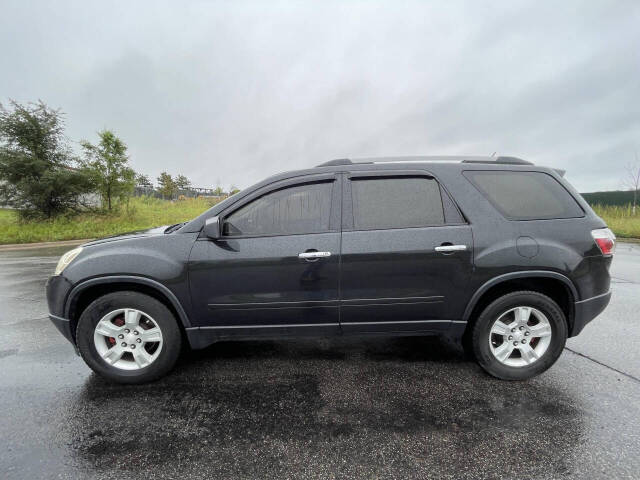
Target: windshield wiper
[{"x": 173, "y": 228}]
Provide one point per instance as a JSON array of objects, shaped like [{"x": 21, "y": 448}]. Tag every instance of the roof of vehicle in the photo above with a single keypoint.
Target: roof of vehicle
[{"x": 435, "y": 162}]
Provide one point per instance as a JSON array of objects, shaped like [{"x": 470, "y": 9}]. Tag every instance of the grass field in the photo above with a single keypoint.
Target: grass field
[
  {"x": 146, "y": 212},
  {"x": 143, "y": 212},
  {"x": 620, "y": 219}
]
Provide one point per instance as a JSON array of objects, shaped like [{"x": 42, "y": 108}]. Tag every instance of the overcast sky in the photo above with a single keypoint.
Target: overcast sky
[{"x": 231, "y": 92}]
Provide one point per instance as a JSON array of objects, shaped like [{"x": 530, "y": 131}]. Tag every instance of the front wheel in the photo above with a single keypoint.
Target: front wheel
[
  {"x": 128, "y": 337},
  {"x": 519, "y": 335}
]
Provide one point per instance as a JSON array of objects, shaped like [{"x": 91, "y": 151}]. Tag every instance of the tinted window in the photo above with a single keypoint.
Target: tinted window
[
  {"x": 396, "y": 202},
  {"x": 526, "y": 195},
  {"x": 299, "y": 209}
]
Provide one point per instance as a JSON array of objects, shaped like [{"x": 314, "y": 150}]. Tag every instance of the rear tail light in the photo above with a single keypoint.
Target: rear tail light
[{"x": 605, "y": 239}]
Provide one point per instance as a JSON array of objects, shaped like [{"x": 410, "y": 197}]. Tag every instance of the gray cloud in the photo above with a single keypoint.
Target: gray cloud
[{"x": 235, "y": 91}]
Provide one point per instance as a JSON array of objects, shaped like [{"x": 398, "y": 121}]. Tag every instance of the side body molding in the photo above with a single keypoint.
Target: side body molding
[
  {"x": 128, "y": 279},
  {"x": 513, "y": 275}
]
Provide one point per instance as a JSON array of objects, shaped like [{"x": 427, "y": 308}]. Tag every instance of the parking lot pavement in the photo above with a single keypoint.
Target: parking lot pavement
[{"x": 339, "y": 408}]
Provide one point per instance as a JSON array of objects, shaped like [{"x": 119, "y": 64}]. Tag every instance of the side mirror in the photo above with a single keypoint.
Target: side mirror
[{"x": 212, "y": 228}]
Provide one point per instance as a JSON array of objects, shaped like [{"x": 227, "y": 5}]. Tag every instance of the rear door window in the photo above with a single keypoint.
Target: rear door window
[
  {"x": 396, "y": 202},
  {"x": 525, "y": 195}
]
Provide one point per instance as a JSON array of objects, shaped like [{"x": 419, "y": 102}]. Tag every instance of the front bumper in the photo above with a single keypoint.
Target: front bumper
[
  {"x": 57, "y": 289},
  {"x": 587, "y": 310},
  {"x": 63, "y": 325}
]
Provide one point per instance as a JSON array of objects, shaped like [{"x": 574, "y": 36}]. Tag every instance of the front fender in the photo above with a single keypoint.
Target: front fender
[
  {"x": 159, "y": 262},
  {"x": 128, "y": 279}
]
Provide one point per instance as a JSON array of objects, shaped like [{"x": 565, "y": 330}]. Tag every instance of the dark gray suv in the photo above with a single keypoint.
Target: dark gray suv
[{"x": 497, "y": 253}]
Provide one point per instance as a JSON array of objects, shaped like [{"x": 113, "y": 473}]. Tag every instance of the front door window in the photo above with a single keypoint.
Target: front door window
[{"x": 289, "y": 211}]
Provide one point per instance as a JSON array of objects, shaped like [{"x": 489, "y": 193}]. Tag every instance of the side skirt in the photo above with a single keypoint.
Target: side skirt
[{"x": 201, "y": 337}]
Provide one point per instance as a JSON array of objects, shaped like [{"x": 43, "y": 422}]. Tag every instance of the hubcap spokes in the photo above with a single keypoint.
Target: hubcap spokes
[
  {"x": 520, "y": 336},
  {"x": 128, "y": 339}
]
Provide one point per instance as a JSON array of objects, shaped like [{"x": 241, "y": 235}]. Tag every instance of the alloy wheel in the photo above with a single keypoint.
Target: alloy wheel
[
  {"x": 128, "y": 339},
  {"x": 520, "y": 336}
]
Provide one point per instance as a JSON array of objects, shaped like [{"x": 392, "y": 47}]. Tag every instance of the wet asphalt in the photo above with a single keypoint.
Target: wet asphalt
[{"x": 328, "y": 408}]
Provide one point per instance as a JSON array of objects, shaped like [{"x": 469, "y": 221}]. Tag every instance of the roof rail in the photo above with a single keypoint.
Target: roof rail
[
  {"x": 333, "y": 163},
  {"x": 501, "y": 160},
  {"x": 420, "y": 159}
]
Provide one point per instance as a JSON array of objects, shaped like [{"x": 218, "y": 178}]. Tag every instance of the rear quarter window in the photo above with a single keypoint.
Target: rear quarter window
[{"x": 525, "y": 195}]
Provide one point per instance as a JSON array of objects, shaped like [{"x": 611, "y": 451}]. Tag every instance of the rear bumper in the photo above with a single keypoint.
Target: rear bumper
[{"x": 587, "y": 310}]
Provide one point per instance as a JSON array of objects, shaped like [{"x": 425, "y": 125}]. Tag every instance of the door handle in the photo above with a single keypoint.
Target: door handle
[
  {"x": 451, "y": 248},
  {"x": 313, "y": 255}
]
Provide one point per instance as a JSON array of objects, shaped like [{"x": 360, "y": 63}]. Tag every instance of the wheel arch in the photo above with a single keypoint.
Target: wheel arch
[
  {"x": 85, "y": 292},
  {"x": 555, "y": 285}
]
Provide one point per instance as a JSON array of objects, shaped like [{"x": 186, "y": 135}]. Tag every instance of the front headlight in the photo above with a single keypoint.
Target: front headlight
[{"x": 66, "y": 259}]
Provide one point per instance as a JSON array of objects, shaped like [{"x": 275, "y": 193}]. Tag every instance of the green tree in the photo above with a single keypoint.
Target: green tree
[
  {"x": 36, "y": 166},
  {"x": 182, "y": 182},
  {"x": 218, "y": 191},
  {"x": 166, "y": 185},
  {"x": 233, "y": 190},
  {"x": 107, "y": 163},
  {"x": 143, "y": 180}
]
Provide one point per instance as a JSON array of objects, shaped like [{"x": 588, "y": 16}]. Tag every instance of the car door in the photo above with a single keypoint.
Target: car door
[
  {"x": 274, "y": 271},
  {"x": 406, "y": 254}
]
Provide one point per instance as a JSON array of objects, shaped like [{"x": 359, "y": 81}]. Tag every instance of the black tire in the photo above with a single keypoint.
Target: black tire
[
  {"x": 171, "y": 336},
  {"x": 482, "y": 327}
]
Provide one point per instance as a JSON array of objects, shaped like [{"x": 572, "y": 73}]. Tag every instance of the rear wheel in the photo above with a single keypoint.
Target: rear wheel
[
  {"x": 128, "y": 337},
  {"x": 519, "y": 335}
]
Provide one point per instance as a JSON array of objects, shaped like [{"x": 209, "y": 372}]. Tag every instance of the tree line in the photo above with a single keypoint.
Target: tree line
[
  {"x": 169, "y": 186},
  {"x": 41, "y": 177}
]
